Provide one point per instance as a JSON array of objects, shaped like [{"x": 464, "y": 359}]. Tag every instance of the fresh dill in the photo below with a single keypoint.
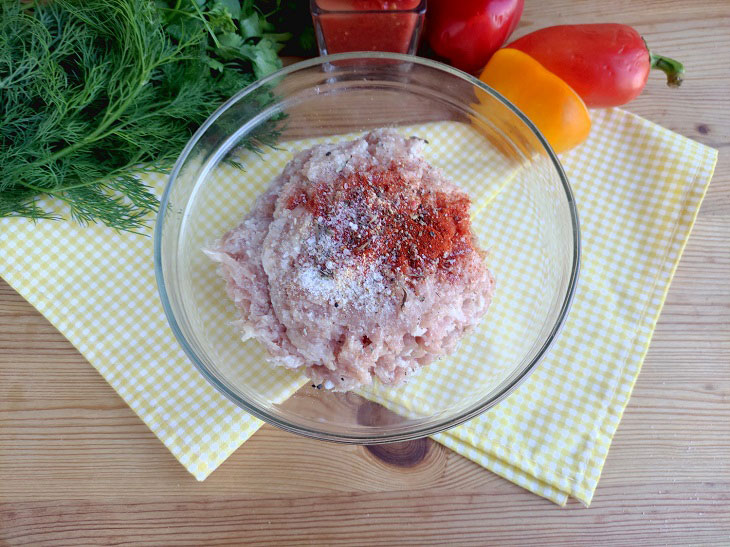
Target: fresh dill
[{"x": 95, "y": 92}]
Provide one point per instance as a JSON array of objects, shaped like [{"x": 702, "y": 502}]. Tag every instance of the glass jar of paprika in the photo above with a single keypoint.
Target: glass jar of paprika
[{"x": 367, "y": 25}]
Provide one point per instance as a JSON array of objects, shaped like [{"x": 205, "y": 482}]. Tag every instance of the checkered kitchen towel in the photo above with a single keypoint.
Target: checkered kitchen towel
[{"x": 638, "y": 188}]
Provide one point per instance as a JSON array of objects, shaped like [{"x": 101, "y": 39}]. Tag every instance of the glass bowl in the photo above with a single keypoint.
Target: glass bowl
[{"x": 523, "y": 214}]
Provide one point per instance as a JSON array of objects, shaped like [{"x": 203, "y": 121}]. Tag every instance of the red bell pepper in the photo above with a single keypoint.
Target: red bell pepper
[
  {"x": 606, "y": 64},
  {"x": 468, "y": 32}
]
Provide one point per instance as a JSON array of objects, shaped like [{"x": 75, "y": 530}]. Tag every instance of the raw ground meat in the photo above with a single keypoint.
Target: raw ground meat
[{"x": 357, "y": 263}]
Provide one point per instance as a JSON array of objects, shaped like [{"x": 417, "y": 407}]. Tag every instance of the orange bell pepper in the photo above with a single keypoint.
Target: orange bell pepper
[{"x": 551, "y": 104}]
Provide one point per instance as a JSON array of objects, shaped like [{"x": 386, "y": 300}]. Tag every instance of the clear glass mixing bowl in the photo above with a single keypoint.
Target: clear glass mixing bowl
[{"x": 523, "y": 213}]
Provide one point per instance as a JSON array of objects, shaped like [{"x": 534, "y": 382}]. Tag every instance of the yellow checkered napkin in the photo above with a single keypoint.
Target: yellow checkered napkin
[{"x": 638, "y": 188}]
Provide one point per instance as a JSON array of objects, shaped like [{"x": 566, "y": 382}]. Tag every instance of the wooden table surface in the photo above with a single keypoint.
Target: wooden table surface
[{"x": 78, "y": 467}]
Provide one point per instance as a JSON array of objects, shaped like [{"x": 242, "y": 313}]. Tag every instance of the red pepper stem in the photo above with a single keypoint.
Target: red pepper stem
[{"x": 673, "y": 69}]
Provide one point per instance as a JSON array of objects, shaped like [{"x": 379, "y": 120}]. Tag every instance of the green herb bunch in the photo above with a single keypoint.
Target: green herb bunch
[
  {"x": 95, "y": 92},
  {"x": 240, "y": 36}
]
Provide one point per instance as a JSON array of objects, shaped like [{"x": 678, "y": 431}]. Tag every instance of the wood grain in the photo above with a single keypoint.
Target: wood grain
[{"x": 77, "y": 467}]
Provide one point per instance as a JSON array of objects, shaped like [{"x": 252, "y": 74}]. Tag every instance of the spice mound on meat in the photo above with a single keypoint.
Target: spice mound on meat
[{"x": 357, "y": 263}]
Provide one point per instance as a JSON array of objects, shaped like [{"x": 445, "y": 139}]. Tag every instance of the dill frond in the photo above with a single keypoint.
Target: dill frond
[{"x": 91, "y": 94}]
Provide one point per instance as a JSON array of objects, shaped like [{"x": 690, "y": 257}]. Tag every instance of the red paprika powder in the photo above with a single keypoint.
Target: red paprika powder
[{"x": 380, "y": 218}]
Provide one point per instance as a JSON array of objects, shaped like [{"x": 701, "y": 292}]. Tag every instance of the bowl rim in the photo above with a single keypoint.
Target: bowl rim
[{"x": 379, "y": 438}]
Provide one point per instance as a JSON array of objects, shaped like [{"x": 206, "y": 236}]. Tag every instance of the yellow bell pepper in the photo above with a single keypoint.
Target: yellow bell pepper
[{"x": 551, "y": 104}]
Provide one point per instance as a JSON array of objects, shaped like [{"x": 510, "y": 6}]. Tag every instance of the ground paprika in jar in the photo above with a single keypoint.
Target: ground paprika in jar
[{"x": 368, "y": 25}]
